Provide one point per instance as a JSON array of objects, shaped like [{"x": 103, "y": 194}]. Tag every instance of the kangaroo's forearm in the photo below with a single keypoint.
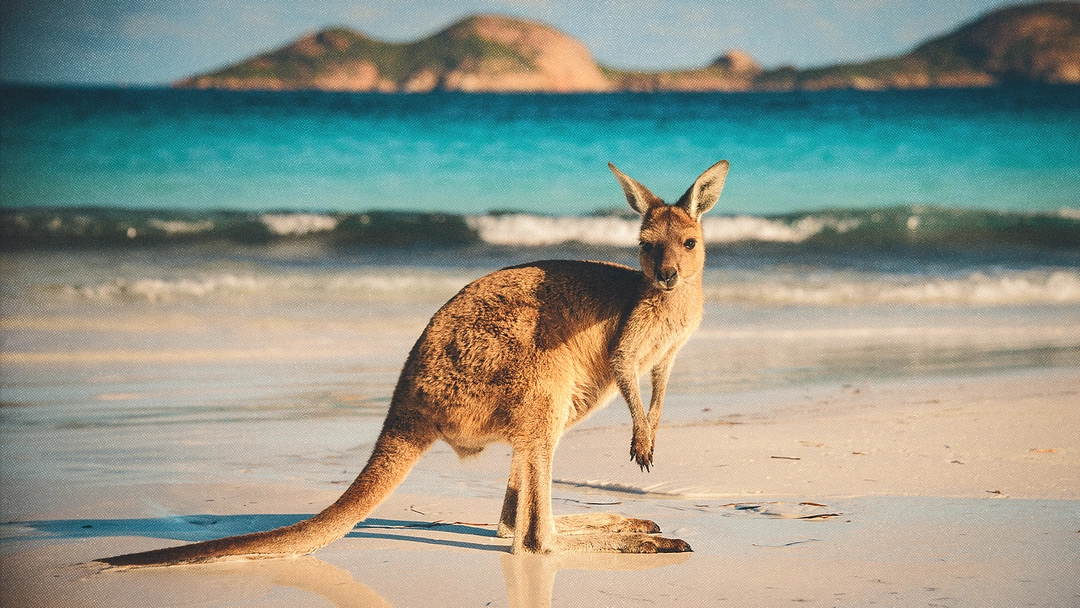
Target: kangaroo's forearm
[
  {"x": 656, "y": 401},
  {"x": 660, "y": 374},
  {"x": 627, "y": 382}
]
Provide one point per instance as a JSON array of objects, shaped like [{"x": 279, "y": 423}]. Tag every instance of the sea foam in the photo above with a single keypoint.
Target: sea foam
[
  {"x": 298, "y": 224},
  {"x": 528, "y": 230},
  {"x": 767, "y": 286}
]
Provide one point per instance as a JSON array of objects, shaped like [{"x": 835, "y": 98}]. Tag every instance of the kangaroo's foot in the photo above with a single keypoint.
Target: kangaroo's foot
[
  {"x": 619, "y": 543},
  {"x": 589, "y": 523}
]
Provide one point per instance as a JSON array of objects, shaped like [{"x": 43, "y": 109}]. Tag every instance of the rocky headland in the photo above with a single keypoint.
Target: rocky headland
[{"x": 488, "y": 53}]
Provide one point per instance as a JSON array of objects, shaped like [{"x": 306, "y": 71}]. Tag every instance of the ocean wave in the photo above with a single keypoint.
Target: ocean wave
[
  {"x": 770, "y": 286},
  {"x": 175, "y": 227},
  {"x": 527, "y": 230},
  {"x": 911, "y": 226},
  {"x": 399, "y": 285},
  {"x": 298, "y": 224},
  {"x": 1069, "y": 213}
]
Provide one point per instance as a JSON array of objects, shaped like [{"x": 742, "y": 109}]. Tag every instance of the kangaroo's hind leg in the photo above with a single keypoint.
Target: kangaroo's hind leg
[
  {"x": 578, "y": 523},
  {"x": 534, "y": 526},
  {"x": 510, "y": 501}
]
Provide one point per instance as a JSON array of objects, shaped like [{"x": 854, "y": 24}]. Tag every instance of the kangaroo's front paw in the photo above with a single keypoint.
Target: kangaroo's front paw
[{"x": 641, "y": 450}]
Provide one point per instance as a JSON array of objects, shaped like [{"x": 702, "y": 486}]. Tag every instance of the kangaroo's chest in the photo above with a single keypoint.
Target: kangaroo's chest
[
  {"x": 668, "y": 331},
  {"x": 663, "y": 341}
]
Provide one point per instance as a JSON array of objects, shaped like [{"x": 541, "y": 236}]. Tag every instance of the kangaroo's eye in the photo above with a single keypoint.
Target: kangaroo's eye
[
  {"x": 690, "y": 243},
  {"x": 646, "y": 247}
]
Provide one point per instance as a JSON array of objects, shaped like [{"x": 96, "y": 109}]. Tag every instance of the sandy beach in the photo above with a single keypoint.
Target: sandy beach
[
  {"x": 815, "y": 455},
  {"x": 960, "y": 492}
]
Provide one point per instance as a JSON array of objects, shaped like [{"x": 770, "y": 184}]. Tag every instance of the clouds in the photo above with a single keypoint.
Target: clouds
[{"x": 156, "y": 41}]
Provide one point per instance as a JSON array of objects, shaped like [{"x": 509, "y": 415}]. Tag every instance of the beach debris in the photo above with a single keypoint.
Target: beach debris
[
  {"x": 791, "y": 544},
  {"x": 1043, "y": 451},
  {"x": 778, "y": 510},
  {"x": 785, "y": 457},
  {"x": 607, "y": 503}
]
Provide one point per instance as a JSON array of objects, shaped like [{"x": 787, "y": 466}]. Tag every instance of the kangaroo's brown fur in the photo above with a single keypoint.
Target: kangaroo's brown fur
[{"x": 519, "y": 356}]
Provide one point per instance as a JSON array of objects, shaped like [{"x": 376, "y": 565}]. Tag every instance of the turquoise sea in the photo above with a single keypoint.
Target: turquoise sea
[{"x": 1007, "y": 149}]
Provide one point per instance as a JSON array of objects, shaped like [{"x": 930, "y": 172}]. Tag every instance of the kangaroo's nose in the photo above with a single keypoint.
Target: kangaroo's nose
[{"x": 666, "y": 275}]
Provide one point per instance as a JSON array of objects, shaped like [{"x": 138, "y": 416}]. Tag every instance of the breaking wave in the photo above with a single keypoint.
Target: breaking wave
[
  {"x": 900, "y": 255},
  {"x": 767, "y": 286},
  {"x": 404, "y": 285},
  {"x": 911, "y": 226}
]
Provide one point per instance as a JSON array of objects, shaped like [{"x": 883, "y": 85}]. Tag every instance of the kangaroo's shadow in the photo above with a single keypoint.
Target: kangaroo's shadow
[{"x": 195, "y": 528}]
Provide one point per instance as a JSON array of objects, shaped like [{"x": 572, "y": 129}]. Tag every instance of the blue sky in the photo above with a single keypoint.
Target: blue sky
[{"x": 149, "y": 42}]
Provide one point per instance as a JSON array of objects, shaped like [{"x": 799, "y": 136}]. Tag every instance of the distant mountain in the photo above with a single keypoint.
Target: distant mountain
[
  {"x": 1028, "y": 43},
  {"x": 481, "y": 53}
]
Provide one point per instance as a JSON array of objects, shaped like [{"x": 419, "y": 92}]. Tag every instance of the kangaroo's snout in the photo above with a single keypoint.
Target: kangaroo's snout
[{"x": 667, "y": 277}]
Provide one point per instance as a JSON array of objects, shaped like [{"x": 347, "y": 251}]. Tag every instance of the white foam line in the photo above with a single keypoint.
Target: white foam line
[
  {"x": 522, "y": 229},
  {"x": 298, "y": 223},
  {"x": 172, "y": 227}
]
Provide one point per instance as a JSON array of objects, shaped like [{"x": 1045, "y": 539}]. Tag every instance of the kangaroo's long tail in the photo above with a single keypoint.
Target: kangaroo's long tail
[{"x": 395, "y": 453}]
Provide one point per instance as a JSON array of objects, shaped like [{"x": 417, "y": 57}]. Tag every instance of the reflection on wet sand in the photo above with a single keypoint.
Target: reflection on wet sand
[
  {"x": 335, "y": 585},
  {"x": 530, "y": 579}
]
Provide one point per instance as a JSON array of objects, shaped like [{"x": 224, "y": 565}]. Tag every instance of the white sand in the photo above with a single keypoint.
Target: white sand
[{"x": 952, "y": 492}]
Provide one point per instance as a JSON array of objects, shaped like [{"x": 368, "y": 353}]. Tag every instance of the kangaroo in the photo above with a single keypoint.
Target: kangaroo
[{"x": 519, "y": 356}]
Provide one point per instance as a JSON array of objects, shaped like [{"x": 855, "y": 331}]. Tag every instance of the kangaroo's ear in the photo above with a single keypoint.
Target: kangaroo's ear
[
  {"x": 638, "y": 196},
  {"x": 705, "y": 191}
]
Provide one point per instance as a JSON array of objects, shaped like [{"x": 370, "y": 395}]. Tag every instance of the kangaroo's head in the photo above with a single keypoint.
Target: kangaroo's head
[{"x": 672, "y": 245}]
